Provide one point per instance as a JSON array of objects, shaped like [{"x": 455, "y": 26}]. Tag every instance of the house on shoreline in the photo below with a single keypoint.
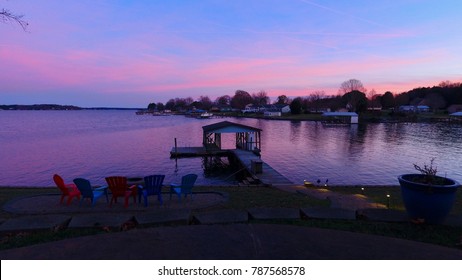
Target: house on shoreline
[
  {"x": 271, "y": 110},
  {"x": 414, "y": 109}
]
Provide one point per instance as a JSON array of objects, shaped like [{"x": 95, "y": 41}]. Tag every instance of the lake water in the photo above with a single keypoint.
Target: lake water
[{"x": 34, "y": 145}]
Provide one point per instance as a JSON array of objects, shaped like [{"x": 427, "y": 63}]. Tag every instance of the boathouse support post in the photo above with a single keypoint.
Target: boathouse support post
[
  {"x": 176, "y": 148},
  {"x": 218, "y": 140}
]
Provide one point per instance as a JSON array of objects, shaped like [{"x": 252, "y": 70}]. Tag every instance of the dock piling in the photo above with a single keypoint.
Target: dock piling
[{"x": 176, "y": 148}]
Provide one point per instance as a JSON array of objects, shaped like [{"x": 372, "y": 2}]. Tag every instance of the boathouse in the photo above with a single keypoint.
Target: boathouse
[
  {"x": 457, "y": 116},
  {"x": 340, "y": 118},
  {"x": 246, "y": 153},
  {"x": 247, "y": 138}
]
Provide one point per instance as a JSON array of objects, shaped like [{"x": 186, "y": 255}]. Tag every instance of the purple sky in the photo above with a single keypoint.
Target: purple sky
[{"x": 130, "y": 53}]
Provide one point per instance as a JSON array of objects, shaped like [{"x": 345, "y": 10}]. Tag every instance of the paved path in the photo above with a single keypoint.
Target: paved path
[
  {"x": 337, "y": 200},
  {"x": 221, "y": 234},
  {"x": 235, "y": 241}
]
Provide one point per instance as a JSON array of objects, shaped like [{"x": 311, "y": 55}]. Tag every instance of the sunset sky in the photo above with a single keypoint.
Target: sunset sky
[{"x": 130, "y": 53}]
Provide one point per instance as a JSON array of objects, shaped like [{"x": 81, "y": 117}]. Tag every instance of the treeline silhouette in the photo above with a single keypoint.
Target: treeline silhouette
[{"x": 445, "y": 96}]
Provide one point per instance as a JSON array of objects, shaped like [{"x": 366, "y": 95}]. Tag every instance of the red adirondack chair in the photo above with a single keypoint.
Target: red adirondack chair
[
  {"x": 69, "y": 190},
  {"x": 119, "y": 188}
]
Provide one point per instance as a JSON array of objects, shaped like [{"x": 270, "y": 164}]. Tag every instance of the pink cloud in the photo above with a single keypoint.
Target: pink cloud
[{"x": 149, "y": 71}]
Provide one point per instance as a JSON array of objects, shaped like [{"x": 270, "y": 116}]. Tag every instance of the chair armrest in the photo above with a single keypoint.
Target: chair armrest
[
  {"x": 71, "y": 187},
  {"x": 133, "y": 187},
  {"x": 102, "y": 188},
  {"x": 175, "y": 185},
  {"x": 140, "y": 187}
]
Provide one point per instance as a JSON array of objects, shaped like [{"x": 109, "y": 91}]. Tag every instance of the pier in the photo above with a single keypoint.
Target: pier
[
  {"x": 259, "y": 170},
  {"x": 247, "y": 152},
  {"x": 183, "y": 152},
  {"x": 266, "y": 174}
]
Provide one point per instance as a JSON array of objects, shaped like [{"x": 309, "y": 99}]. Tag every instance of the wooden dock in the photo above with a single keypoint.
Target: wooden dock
[
  {"x": 180, "y": 152},
  {"x": 267, "y": 176}
]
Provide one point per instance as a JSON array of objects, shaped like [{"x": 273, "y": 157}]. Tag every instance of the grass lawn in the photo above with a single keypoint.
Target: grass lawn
[
  {"x": 379, "y": 194},
  {"x": 244, "y": 198}
]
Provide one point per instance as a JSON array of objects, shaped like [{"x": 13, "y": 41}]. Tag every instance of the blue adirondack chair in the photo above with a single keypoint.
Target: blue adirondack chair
[
  {"x": 87, "y": 191},
  {"x": 187, "y": 183},
  {"x": 152, "y": 186}
]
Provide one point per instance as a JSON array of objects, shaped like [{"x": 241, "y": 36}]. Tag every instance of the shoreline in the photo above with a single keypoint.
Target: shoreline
[
  {"x": 225, "y": 186},
  {"x": 334, "y": 209}
]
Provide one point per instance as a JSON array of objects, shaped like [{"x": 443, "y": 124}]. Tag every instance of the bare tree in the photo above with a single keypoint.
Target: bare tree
[
  {"x": 373, "y": 99},
  {"x": 351, "y": 85},
  {"x": 314, "y": 99},
  {"x": 260, "y": 98},
  {"x": 224, "y": 100},
  {"x": 7, "y": 16},
  {"x": 206, "y": 102},
  {"x": 371, "y": 94},
  {"x": 448, "y": 84}
]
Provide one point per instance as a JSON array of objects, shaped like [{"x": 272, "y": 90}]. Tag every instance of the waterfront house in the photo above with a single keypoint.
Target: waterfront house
[
  {"x": 457, "y": 116},
  {"x": 414, "y": 109},
  {"x": 282, "y": 108}
]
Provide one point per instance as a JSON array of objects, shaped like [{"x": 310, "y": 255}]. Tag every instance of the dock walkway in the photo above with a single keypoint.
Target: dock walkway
[
  {"x": 180, "y": 152},
  {"x": 268, "y": 176}
]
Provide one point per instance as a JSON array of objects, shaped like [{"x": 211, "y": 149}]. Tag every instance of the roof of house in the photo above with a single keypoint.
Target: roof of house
[
  {"x": 227, "y": 126},
  {"x": 456, "y": 114}
]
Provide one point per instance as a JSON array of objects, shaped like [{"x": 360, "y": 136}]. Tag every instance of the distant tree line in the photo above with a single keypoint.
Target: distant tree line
[
  {"x": 39, "y": 107},
  {"x": 239, "y": 100},
  {"x": 356, "y": 98},
  {"x": 352, "y": 96}
]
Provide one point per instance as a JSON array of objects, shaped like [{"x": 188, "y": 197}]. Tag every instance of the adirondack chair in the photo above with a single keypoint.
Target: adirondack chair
[
  {"x": 119, "y": 188},
  {"x": 69, "y": 190},
  {"x": 187, "y": 183},
  {"x": 152, "y": 186},
  {"x": 87, "y": 191}
]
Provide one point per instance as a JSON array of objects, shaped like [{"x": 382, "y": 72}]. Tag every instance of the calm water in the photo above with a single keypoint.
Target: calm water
[{"x": 93, "y": 144}]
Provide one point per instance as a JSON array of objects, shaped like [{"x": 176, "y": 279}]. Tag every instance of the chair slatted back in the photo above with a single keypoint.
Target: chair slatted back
[
  {"x": 60, "y": 184},
  {"x": 117, "y": 185},
  {"x": 187, "y": 182},
  {"x": 153, "y": 184},
  {"x": 84, "y": 187}
]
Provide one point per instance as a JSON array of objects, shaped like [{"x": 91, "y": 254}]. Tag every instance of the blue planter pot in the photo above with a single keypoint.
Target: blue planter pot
[{"x": 430, "y": 202}]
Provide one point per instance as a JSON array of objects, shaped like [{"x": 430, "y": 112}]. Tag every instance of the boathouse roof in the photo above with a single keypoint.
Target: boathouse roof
[
  {"x": 227, "y": 126},
  {"x": 340, "y": 114}
]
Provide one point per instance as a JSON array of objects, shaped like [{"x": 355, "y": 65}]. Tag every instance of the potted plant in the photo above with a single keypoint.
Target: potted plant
[{"x": 426, "y": 196}]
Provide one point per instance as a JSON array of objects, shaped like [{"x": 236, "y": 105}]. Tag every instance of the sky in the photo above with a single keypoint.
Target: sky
[{"x": 120, "y": 53}]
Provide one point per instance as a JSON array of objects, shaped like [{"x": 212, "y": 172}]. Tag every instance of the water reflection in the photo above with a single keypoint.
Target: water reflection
[
  {"x": 95, "y": 144},
  {"x": 364, "y": 154}
]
